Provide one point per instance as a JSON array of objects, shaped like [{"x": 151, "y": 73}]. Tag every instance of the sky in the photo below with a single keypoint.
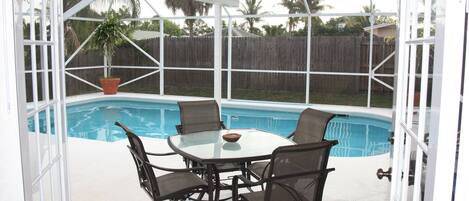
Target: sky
[{"x": 272, "y": 6}]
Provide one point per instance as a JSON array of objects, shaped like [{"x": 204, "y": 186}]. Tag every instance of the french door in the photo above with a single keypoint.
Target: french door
[
  {"x": 427, "y": 109},
  {"x": 41, "y": 87}
]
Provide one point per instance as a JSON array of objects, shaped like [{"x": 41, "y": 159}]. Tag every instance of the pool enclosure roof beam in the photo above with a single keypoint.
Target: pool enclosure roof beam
[
  {"x": 76, "y": 8},
  {"x": 243, "y": 16},
  {"x": 307, "y": 6},
  {"x": 152, "y": 8}
]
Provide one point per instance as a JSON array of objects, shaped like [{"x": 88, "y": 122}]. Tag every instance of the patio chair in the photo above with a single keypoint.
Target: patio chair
[
  {"x": 311, "y": 128},
  {"x": 296, "y": 173},
  {"x": 198, "y": 116},
  {"x": 180, "y": 184}
]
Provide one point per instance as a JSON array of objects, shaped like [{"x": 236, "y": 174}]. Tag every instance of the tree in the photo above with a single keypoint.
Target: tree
[
  {"x": 189, "y": 8},
  {"x": 200, "y": 28},
  {"x": 108, "y": 36},
  {"x": 314, "y": 5},
  {"x": 170, "y": 28},
  {"x": 274, "y": 30},
  {"x": 292, "y": 6},
  {"x": 251, "y": 7},
  {"x": 356, "y": 24},
  {"x": 298, "y": 6},
  {"x": 77, "y": 31}
]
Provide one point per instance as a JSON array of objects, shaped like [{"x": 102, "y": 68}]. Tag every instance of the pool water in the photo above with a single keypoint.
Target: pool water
[{"x": 357, "y": 136}]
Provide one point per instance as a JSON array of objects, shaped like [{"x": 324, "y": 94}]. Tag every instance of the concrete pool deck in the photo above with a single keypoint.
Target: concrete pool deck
[{"x": 104, "y": 171}]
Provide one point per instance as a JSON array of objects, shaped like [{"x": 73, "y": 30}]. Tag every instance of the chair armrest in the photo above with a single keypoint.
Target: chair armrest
[
  {"x": 179, "y": 129},
  {"x": 291, "y": 135},
  {"x": 161, "y": 154},
  {"x": 274, "y": 178},
  {"x": 222, "y": 124},
  {"x": 175, "y": 169},
  {"x": 245, "y": 181},
  {"x": 137, "y": 157}
]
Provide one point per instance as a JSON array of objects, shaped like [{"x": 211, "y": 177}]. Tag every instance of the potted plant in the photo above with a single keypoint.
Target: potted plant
[{"x": 107, "y": 37}]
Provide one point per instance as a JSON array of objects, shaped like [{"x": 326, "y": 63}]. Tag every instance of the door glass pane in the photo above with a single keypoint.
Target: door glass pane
[
  {"x": 36, "y": 192},
  {"x": 33, "y": 156}
]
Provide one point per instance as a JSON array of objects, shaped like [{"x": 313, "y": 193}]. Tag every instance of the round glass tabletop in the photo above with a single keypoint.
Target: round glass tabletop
[{"x": 210, "y": 147}]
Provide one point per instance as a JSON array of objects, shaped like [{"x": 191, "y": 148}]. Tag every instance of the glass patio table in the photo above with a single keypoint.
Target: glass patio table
[{"x": 209, "y": 148}]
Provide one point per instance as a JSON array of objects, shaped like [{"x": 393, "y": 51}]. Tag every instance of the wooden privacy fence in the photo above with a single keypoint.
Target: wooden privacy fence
[{"x": 348, "y": 54}]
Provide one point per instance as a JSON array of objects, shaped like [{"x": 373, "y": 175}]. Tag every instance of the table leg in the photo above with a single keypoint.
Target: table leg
[
  {"x": 217, "y": 183},
  {"x": 210, "y": 182}
]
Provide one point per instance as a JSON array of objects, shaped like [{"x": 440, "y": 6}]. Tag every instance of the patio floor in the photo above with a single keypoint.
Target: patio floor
[{"x": 104, "y": 171}]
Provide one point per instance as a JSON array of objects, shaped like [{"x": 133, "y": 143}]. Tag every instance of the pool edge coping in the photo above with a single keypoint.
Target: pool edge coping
[{"x": 379, "y": 113}]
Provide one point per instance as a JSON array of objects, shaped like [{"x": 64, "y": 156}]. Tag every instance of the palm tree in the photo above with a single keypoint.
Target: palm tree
[
  {"x": 251, "y": 7},
  {"x": 274, "y": 30},
  {"x": 189, "y": 8},
  {"x": 315, "y": 5},
  {"x": 298, "y": 6},
  {"x": 362, "y": 21},
  {"x": 292, "y": 7}
]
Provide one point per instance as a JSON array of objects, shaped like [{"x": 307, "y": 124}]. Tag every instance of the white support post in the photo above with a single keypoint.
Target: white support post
[
  {"x": 80, "y": 47},
  {"x": 162, "y": 56},
  {"x": 383, "y": 62},
  {"x": 140, "y": 49},
  {"x": 382, "y": 83},
  {"x": 230, "y": 56},
  {"x": 370, "y": 61},
  {"x": 138, "y": 78},
  {"x": 83, "y": 80},
  {"x": 217, "y": 83},
  {"x": 152, "y": 8},
  {"x": 446, "y": 95},
  {"x": 308, "y": 60}
]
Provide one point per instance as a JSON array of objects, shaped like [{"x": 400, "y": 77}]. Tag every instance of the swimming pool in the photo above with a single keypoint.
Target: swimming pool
[{"x": 357, "y": 136}]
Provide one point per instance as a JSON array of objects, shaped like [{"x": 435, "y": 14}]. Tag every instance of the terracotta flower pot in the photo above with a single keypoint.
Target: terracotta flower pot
[{"x": 110, "y": 85}]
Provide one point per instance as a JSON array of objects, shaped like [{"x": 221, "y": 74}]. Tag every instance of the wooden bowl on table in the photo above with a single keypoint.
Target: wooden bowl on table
[{"x": 231, "y": 137}]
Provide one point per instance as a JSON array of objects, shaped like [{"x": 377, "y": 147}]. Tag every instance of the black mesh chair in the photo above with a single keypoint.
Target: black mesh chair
[
  {"x": 311, "y": 128},
  {"x": 198, "y": 116},
  {"x": 296, "y": 173},
  {"x": 180, "y": 184}
]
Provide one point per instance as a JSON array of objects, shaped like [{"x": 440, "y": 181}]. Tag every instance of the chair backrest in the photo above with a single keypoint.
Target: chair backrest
[
  {"x": 197, "y": 116},
  {"x": 145, "y": 172},
  {"x": 296, "y": 159},
  {"x": 311, "y": 126}
]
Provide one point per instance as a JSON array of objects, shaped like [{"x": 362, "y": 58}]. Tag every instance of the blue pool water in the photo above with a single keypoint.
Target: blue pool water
[{"x": 357, "y": 136}]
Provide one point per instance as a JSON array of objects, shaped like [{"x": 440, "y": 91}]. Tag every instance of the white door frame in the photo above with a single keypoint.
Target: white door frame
[
  {"x": 11, "y": 103},
  {"x": 445, "y": 101},
  {"x": 444, "y": 124},
  {"x": 37, "y": 168}
]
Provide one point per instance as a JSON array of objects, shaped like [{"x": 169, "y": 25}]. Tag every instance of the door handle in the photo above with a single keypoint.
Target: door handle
[{"x": 381, "y": 173}]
